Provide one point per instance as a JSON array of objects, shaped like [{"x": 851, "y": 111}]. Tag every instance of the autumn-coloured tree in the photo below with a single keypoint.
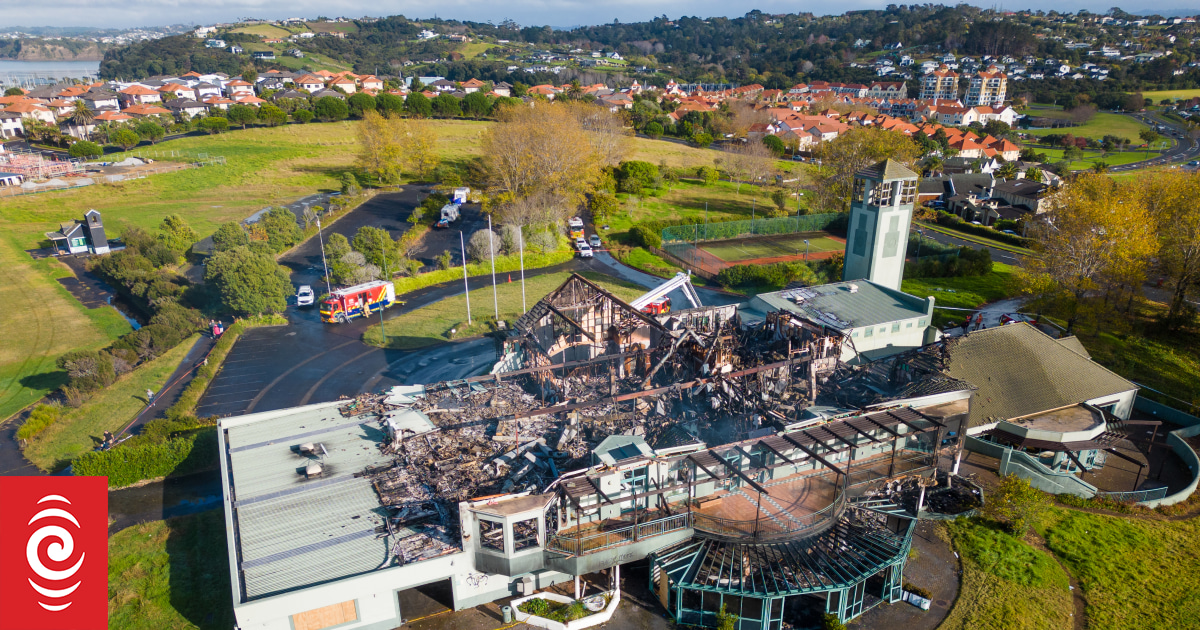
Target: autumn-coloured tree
[
  {"x": 544, "y": 152},
  {"x": 842, "y": 157},
  {"x": 1096, "y": 242},
  {"x": 390, "y": 145},
  {"x": 1170, "y": 199},
  {"x": 748, "y": 161}
]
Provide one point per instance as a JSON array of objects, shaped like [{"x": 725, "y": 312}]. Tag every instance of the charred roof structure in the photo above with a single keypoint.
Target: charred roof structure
[{"x": 749, "y": 462}]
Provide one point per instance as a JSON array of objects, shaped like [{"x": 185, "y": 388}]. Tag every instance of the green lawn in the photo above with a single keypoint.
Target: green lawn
[
  {"x": 1006, "y": 584},
  {"x": 80, "y": 430},
  {"x": 691, "y": 199},
  {"x": 42, "y": 321},
  {"x": 1158, "y": 95},
  {"x": 1169, "y": 364},
  {"x": 1102, "y": 124},
  {"x": 1134, "y": 573},
  {"x": 964, "y": 292},
  {"x": 432, "y": 324},
  {"x": 170, "y": 575},
  {"x": 1090, "y": 158},
  {"x": 264, "y": 30},
  {"x": 791, "y": 245},
  {"x": 641, "y": 258}
]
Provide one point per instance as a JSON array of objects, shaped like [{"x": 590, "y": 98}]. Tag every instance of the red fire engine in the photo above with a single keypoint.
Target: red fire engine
[
  {"x": 360, "y": 300},
  {"x": 658, "y": 307}
]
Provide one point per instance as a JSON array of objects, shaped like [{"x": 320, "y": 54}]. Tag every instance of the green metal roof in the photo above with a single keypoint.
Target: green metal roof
[
  {"x": 292, "y": 531},
  {"x": 834, "y": 305},
  {"x": 887, "y": 170},
  {"x": 1020, "y": 370}
]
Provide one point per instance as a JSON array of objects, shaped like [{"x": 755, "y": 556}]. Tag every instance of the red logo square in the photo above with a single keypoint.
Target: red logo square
[{"x": 53, "y": 553}]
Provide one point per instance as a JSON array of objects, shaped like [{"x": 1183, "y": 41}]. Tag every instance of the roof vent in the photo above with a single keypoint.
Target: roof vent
[
  {"x": 312, "y": 470},
  {"x": 854, "y": 288},
  {"x": 308, "y": 447}
]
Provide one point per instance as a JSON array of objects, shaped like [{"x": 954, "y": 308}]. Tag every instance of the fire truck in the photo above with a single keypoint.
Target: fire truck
[
  {"x": 659, "y": 306},
  {"x": 359, "y": 300}
]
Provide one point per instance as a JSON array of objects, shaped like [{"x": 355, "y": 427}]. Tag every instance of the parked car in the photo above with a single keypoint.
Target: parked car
[
  {"x": 585, "y": 251},
  {"x": 305, "y": 296},
  {"x": 594, "y": 240},
  {"x": 1009, "y": 232},
  {"x": 580, "y": 243}
]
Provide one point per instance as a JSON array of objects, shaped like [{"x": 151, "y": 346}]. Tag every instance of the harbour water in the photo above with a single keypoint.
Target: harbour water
[{"x": 30, "y": 73}]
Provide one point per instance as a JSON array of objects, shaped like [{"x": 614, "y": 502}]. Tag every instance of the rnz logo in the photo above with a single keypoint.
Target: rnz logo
[{"x": 54, "y": 553}]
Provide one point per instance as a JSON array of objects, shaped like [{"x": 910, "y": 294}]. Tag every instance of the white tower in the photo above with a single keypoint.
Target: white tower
[{"x": 881, "y": 208}]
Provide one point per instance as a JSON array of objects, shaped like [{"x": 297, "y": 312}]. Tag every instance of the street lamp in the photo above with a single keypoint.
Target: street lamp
[
  {"x": 324, "y": 264},
  {"x": 805, "y": 250},
  {"x": 920, "y": 237}
]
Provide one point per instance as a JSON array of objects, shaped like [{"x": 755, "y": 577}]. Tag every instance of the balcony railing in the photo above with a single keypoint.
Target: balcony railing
[{"x": 564, "y": 542}]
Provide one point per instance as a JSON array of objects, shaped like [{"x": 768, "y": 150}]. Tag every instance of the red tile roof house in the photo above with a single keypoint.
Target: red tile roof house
[
  {"x": 345, "y": 84},
  {"x": 139, "y": 94},
  {"x": 35, "y": 111},
  {"x": 310, "y": 82},
  {"x": 474, "y": 85},
  {"x": 111, "y": 116},
  {"x": 239, "y": 87},
  {"x": 142, "y": 110},
  {"x": 218, "y": 102},
  {"x": 371, "y": 82},
  {"x": 174, "y": 90}
]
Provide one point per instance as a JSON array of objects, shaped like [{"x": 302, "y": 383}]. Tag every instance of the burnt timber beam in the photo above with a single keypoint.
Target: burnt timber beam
[
  {"x": 600, "y": 492},
  {"x": 704, "y": 468},
  {"x": 750, "y": 457},
  {"x": 1082, "y": 468},
  {"x": 826, "y": 429},
  {"x": 1114, "y": 451},
  {"x": 572, "y": 322},
  {"x": 778, "y": 454},
  {"x": 883, "y": 426},
  {"x": 813, "y": 454}
]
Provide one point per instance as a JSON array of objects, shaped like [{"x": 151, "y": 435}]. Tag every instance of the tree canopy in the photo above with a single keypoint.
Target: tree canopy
[{"x": 248, "y": 282}]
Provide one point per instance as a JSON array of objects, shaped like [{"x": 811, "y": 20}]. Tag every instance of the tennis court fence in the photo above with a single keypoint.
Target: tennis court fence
[
  {"x": 691, "y": 257},
  {"x": 726, "y": 230}
]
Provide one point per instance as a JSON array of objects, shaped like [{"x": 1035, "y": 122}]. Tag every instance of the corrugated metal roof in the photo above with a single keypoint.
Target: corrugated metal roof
[
  {"x": 1019, "y": 370},
  {"x": 292, "y": 531},
  {"x": 835, "y": 306}
]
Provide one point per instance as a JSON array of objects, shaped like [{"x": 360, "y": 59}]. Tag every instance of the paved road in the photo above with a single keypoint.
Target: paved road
[
  {"x": 1184, "y": 148},
  {"x": 998, "y": 254}
]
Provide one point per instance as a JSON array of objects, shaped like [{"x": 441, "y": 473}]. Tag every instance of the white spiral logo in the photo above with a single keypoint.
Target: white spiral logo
[{"x": 59, "y": 551}]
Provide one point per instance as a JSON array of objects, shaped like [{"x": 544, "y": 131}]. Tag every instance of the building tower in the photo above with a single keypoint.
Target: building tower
[
  {"x": 941, "y": 84},
  {"x": 881, "y": 209},
  {"x": 987, "y": 88}
]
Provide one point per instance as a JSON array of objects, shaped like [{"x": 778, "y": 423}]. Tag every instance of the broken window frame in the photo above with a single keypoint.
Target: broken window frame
[
  {"x": 530, "y": 538},
  {"x": 486, "y": 527}
]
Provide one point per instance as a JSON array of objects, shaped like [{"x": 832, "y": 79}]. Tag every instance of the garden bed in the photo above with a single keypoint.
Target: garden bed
[{"x": 559, "y": 612}]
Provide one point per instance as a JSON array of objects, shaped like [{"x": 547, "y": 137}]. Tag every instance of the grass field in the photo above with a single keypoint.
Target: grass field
[
  {"x": 79, "y": 430},
  {"x": 1006, "y": 584},
  {"x": 41, "y": 321},
  {"x": 1167, "y": 363},
  {"x": 432, "y": 324},
  {"x": 1102, "y": 124},
  {"x": 170, "y": 575},
  {"x": 691, "y": 199},
  {"x": 1134, "y": 573},
  {"x": 264, "y": 30},
  {"x": 332, "y": 27},
  {"x": 1090, "y": 158},
  {"x": 470, "y": 50},
  {"x": 767, "y": 247},
  {"x": 965, "y": 292},
  {"x": 1158, "y": 95}
]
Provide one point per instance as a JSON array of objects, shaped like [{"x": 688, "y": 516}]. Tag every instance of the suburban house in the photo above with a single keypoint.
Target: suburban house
[
  {"x": 310, "y": 82},
  {"x": 371, "y": 82},
  {"x": 890, "y": 90},
  {"x": 263, "y": 54},
  {"x": 474, "y": 85},
  {"x": 79, "y": 237},
  {"x": 99, "y": 98},
  {"x": 187, "y": 106},
  {"x": 1024, "y": 193},
  {"x": 238, "y": 87},
  {"x": 176, "y": 91},
  {"x": 139, "y": 94},
  {"x": 112, "y": 116},
  {"x": 32, "y": 110},
  {"x": 142, "y": 111},
  {"x": 345, "y": 84},
  {"x": 11, "y": 125}
]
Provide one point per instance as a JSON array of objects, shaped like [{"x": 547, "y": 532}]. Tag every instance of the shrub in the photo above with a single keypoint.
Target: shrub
[
  {"x": 952, "y": 221},
  {"x": 775, "y": 144},
  {"x": 329, "y": 108},
  {"x": 634, "y": 175},
  {"x": 86, "y": 149},
  {"x": 39, "y": 420},
  {"x": 653, "y": 129},
  {"x": 478, "y": 245},
  {"x": 917, "y": 590},
  {"x": 302, "y": 115},
  {"x": 545, "y": 241},
  {"x": 708, "y": 175},
  {"x": 775, "y": 275},
  {"x": 645, "y": 237}
]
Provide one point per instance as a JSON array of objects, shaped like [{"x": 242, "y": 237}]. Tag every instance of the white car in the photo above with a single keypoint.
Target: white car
[
  {"x": 580, "y": 243},
  {"x": 305, "y": 296},
  {"x": 585, "y": 251}
]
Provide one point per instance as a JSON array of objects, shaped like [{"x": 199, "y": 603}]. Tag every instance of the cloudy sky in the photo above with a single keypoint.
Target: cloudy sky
[{"x": 128, "y": 13}]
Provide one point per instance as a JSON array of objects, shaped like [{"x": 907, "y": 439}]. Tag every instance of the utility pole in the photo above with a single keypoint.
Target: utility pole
[
  {"x": 521, "y": 245},
  {"x": 492, "y": 257},
  {"x": 466, "y": 287},
  {"x": 324, "y": 264}
]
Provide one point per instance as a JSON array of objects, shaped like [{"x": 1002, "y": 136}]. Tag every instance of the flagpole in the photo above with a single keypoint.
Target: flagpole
[
  {"x": 466, "y": 287},
  {"x": 324, "y": 264},
  {"x": 492, "y": 257},
  {"x": 522, "y": 249}
]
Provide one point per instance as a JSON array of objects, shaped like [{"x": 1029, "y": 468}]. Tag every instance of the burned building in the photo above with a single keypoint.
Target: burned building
[{"x": 746, "y": 461}]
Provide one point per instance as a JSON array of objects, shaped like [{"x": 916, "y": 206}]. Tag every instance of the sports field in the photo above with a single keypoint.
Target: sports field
[{"x": 775, "y": 248}]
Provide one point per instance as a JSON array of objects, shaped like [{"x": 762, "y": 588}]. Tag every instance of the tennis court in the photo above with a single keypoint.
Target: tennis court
[{"x": 781, "y": 247}]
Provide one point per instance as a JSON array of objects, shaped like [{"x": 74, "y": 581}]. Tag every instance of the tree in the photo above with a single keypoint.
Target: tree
[
  {"x": 176, "y": 234},
  {"x": 1016, "y": 504},
  {"x": 653, "y": 129},
  {"x": 480, "y": 243},
  {"x": 278, "y": 226},
  {"x": 248, "y": 282},
  {"x": 476, "y": 104},
  {"x": 1008, "y": 170},
  {"x": 1097, "y": 236},
  {"x": 1171, "y": 199},
  {"x": 380, "y": 152},
  {"x": 271, "y": 115},
  {"x": 243, "y": 115},
  {"x": 389, "y": 103},
  {"x": 748, "y": 161},
  {"x": 418, "y": 104},
  {"x": 82, "y": 115},
  {"x": 860, "y": 147},
  {"x": 349, "y": 184},
  {"x": 150, "y": 130},
  {"x": 330, "y": 108},
  {"x": 378, "y": 247},
  {"x": 775, "y": 144},
  {"x": 336, "y": 250},
  {"x": 635, "y": 175},
  {"x": 446, "y": 105},
  {"x": 726, "y": 620},
  {"x": 1034, "y": 174},
  {"x": 302, "y": 115},
  {"x": 229, "y": 236},
  {"x": 14, "y": 91},
  {"x": 701, "y": 140},
  {"x": 360, "y": 102},
  {"x": 250, "y": 76},
  {"x": 214, "y": 124},
  {"x": 708, "y": 175},
  {"x": 125, "y": 138},
  {"x": 541, "y": 152},
  {"x": 1072, "y": 153},
  {"x": 85, "y": 150},
  {"x": 1149, "y": 136}
]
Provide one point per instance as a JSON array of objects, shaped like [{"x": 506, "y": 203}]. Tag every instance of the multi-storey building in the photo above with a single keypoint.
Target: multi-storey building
[
  {"x": 987, "y": 88},
  {"x": 940, "y": 84}
]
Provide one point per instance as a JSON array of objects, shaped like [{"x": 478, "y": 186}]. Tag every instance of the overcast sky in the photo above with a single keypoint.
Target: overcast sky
[{"x": 128, "y": 13}]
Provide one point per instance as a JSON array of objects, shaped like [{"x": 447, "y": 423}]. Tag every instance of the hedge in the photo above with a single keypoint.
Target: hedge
[
  {"x": 126, "y": 465},
  {"x": 721, "y": 230},
  {"x": 946, "y": 219}
]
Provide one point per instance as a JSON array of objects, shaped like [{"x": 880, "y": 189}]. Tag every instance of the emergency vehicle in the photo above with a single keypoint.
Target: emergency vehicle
[
  {"x": 359, "y": 300},
  {"x": 659, "y": 306},
  {"x": 575, "y": 227}
]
